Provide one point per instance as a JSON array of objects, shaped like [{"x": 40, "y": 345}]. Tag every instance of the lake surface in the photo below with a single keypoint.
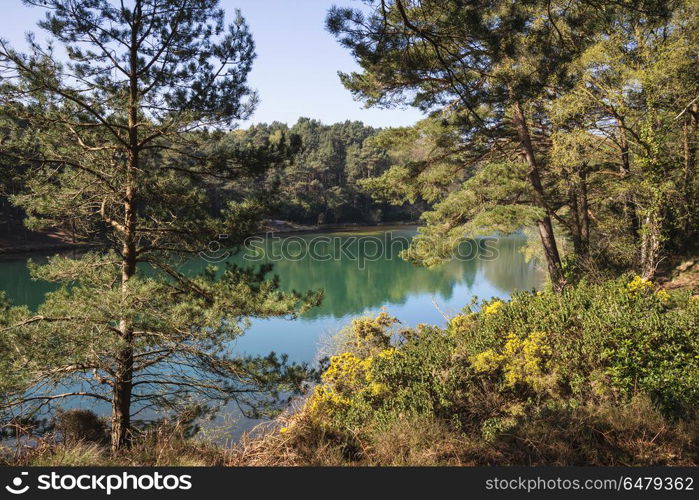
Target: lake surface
[{"x": 361, "y": 273}]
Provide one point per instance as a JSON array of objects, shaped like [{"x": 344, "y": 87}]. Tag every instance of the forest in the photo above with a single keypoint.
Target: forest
[
  {"x": 571, "y": 124},
  {"x": 314, "y": 176},
  {"x": 321, "y": 180}
]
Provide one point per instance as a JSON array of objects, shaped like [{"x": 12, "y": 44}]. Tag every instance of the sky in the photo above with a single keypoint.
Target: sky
[{"x": 295, "y": 73}]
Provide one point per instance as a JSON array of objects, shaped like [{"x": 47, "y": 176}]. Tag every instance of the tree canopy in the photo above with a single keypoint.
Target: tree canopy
[{"x": 543, "y": 114}]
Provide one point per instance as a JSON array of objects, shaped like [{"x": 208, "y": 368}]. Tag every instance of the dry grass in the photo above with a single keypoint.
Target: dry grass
[
  {"x": 159, "y": 447},
  {"x": 420, "y": 441},
  {"x": 603, "y": 435},
  {"x": 303, "y": 444},
  {"x": 631, "y": 435}
]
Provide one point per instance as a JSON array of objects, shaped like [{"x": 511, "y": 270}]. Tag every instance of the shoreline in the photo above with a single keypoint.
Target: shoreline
[
  {"x": 43, "y": 242},
  {"x": 16, "y": 251},
  {"x": 292, "y": 228}
]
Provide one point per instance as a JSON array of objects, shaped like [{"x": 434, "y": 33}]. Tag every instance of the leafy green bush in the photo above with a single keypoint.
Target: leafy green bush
[
  {"x": 622, "y": 336},
  {"x": 501, "y": 370}
]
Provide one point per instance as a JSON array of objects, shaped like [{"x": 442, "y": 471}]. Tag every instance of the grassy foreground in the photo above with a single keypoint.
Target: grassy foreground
[{"x": 602, "y": 374}]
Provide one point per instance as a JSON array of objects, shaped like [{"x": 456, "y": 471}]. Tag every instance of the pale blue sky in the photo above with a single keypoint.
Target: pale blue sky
[{"x": 297, "y": 61}]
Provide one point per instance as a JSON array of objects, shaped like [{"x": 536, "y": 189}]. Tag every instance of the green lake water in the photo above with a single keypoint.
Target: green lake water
[{"x": 360, "y": 272}]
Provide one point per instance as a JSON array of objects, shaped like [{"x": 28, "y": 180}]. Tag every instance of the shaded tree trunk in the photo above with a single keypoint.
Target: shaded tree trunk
[
  {"x": 123, "y": 373},
  {"x": 690, "y": 155},
  {"x": 650, "y": 245},
  {"x": 121, "y": 393},
  {"x": 544, "y": 224},
  {"x": 580, "y": 213},
  {"x": 629, "y": 205}
]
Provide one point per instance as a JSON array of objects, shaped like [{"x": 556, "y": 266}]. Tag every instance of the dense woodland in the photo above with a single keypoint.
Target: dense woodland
[
  {"x": 321, "y": 181},
  {"x": 572, "y": 122},
  {"x": 313, "y": 176}
]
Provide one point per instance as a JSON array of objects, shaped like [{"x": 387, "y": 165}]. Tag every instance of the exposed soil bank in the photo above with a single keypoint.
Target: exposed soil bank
[
  {"x": 21, "y": 241},
  {"x": 681, "y": 274}
]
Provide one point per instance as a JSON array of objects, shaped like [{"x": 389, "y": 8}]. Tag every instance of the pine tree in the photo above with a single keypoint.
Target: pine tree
[
  {"x": 117, "y": 147},
  {"x": 490, "y": 68}
]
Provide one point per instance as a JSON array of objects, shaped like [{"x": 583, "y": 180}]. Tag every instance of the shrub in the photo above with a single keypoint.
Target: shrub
[
  {"x": 566, "y": 370},
  {"x": 623, "y": 336},
  {"x": 80, "y": 425}
]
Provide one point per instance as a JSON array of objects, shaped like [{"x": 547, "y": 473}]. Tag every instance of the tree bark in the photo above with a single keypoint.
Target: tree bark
[
  {"x": 629, "y": 205},
  {"x": 121, "y": 394},
  {"x": 578, "y": 201},
  {"x": 544, "y": 224},
  {"x": 584, "y": 211},
  {"x": 574, "y": 202},
  {"x": 123, "y": 380},
  {"x": 690, "y": 155}
]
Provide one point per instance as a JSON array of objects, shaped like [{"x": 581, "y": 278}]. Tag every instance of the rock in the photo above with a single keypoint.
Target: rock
[{"x": 685, "y": 265}]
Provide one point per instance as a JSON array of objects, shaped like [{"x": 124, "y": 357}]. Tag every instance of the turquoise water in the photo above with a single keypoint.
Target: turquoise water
[{"x": 360, "y": 272}]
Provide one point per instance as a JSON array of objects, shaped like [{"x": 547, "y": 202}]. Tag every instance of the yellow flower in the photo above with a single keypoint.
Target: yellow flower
[
  {"x": 521, "y": 360},
  {"x": 324, "y": 402},
  {"x": 377, "y": 389},
  {"x": 388, "y": 353},
  {"x": 347, "y": 370},
  {"x": 638, "y": 286},
  {"x": 486, "y": 361},
  {"x": 493, "y": 308},
  {"x": 663, "y": 296},
  {"x": 283, "y": 430}
]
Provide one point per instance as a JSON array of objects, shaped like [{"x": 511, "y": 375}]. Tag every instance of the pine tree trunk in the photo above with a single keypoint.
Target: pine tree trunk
[
  {"x": 123, "y": 379},
  {"x": 544, "y": 224},
  {"x": 577, "y": 199}
]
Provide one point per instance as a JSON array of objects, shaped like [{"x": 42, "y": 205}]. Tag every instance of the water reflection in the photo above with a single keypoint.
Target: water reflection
[
  {"x": 356, "y": 282},
  {"x": 356, "y": 279}
]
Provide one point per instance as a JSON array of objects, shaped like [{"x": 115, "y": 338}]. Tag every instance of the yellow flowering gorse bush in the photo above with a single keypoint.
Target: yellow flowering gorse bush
[
  {"x": 324, "y": 402},
  {"x": 492, "y": 308},
  {"x": 347, "y": 371},
  {"x": 639, "y": 286},
  {"x": 388, "y": 353},
  {"x": 663, "y": 296},
  {"x": 348, "y": 379},
  {"x": 461, "y": 322},
  {"x": 491, "y": 375},
  {"x": 522, "y": 361}
]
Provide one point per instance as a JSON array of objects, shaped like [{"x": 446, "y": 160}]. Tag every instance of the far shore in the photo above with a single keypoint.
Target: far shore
[{"x": 32, "y": 242}]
